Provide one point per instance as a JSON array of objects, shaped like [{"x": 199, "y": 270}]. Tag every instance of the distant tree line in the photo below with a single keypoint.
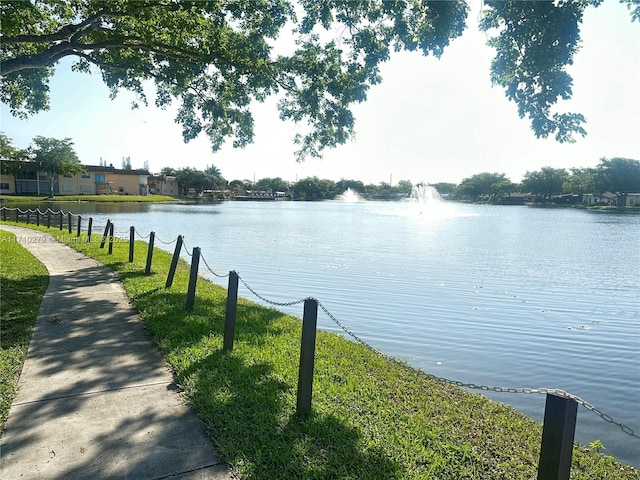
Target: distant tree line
[
  {"x": 314, "y": 188},
  {"x": 191, "y": 180},
  {"x": 616, "y": 175}
]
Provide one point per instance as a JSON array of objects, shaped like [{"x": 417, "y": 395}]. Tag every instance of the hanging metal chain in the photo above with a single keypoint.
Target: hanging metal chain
[
  {"x": 350, "y": 333},
  {"x": 140, "y": 236},
  {"x": 211, "y": 269},
  {"x": 266, "y": 300},
  {"x": 166, "y": 243},
  {"x": 37, "y": 210},
  {"x": 554, "y": 391},
  {"x": 184, "y": 247}
]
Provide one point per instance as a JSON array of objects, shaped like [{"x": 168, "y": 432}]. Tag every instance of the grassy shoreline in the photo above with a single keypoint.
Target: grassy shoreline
[
  {"x": 371, "y": 417},
  {"x": 22, "y": 199},
  {"x": 23, "y": 281}
]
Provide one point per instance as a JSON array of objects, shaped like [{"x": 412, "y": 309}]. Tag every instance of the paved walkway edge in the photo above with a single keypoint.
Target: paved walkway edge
[{"x": 96, "y": 398}]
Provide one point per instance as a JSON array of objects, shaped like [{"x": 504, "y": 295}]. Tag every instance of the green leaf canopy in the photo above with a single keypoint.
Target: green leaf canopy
[{"x": 214, "y": 58}]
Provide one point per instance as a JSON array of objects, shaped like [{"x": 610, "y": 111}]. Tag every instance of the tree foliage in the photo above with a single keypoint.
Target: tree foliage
[
  {"x": 580, "y": 180},
  {"x": 344, "y": 184},
  {"x": 485, "y": 184},
  {"x": 214, "y": 58},
  {"x": 546, "y": 182},
  {"x": 536, "y": 41},
  {"x": 11, "y": 158},
  {"x": 618, "y": 175},
  {"x": 444, "y": 188},
  {"x": 47, "y": 155},
  {"x": 53, "y": 157},
  {"x": 314, "y": 188},
  {"x": 271, "y": 185},
  {"x": 7, "y": 150},
  {"x": 197, "y": 180},
  {"x": 404, "y": 186}
]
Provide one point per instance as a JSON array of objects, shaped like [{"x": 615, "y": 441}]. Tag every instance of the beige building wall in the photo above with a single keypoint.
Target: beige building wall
[
  {"x": 96, "y": 180},
  {"x": 122, "y": 184},
  {"x": 79, "y": 184},
  {"x": 7, "y": 184},
  {"x": 632, "y": 200},
  {"x": 105, "y": 181},
  {"x": 110, "y": 181}
]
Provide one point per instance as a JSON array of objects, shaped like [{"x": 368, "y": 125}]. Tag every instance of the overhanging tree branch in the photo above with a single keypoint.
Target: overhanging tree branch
[
  {"x": 66, "y": 48},
  {"x": 102, "y": 64},
  {"x": 180, "y": 44},
  {"x": 65, "y": 33},
  {"x": 39, "y": 60}
]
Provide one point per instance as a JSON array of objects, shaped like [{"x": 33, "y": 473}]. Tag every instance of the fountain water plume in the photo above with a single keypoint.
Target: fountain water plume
[
  {"x": 423, "y": 193},
  {"x": 350, "y": 195}
]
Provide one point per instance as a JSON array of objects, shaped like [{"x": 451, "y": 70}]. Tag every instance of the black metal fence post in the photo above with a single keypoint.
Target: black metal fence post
[
  {"x": 230, "y": 314},
  {"x": 104, "y": 235},
  {"x": 48, "y": 218},
  {"x": 4, "y": 214},
  {"x": 79, "y": 225},
  {"x": 558, "y": 432},
  {"x": 174, "y": 262},
  {"x": 27, "y": 216},
  {"x": 193, "y": 278},
  {"x": 17, "y": 210},
  {"x": 69, "y": 221},
  {"x": 132, "y": 238},
  {"x": 37, "y": 217},
  {"x": 89, "y": 228},
  {"x": 110, "y": 239},
  {"x": 152, "y": 238},
  {"x": 307, "y": 354},
  {"x": 61, "y": 219}
]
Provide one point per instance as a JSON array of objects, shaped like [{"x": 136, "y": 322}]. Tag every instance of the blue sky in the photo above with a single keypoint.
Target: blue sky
[{"x": 430, "y": 120}]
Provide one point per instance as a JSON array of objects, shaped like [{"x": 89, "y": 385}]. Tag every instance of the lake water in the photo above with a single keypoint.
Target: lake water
[{"x": 498, "y": 296}]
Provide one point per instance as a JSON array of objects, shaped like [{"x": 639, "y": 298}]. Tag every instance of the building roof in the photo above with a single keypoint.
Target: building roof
[{"x": 112, "y": 169}]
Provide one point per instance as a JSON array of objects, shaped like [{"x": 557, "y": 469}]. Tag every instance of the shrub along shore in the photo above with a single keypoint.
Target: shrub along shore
[{"x": 371, "y": 417}]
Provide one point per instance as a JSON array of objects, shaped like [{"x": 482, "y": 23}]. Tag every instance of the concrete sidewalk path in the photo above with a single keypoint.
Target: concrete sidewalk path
[{"x": 96, "y": 399}]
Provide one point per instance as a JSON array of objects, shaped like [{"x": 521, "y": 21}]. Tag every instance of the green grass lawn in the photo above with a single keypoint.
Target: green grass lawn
[
  {"x": 372, "y": 418},
  {"x": 8, "y": 199},
  {"x": 23, "y": 281}
]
